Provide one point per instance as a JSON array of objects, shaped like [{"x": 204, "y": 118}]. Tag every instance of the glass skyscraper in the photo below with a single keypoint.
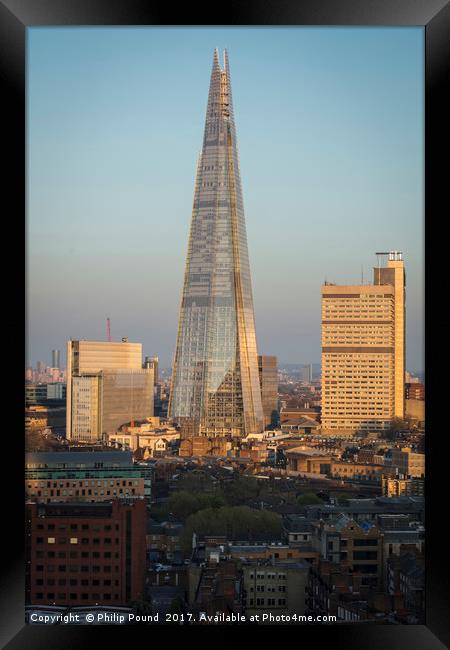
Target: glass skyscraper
[{"x": 215, "y": 383}]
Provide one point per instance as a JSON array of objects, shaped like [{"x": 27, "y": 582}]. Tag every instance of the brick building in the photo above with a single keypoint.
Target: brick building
[{"x": 85, "y": 553}]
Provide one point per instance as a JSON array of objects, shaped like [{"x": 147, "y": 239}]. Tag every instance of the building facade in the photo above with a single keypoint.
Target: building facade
[
  {"x": 56, "y": 359},
  {"x": 85, "y": 553},
  {"x": 275, "y": 588},
  {"x": 268, "y": 381},
  {"x": 363, "y": 352},
  {"x": 85, "y": 476},
  {"x": 215, "y": 383},
  {"x": 106, "y": 388}
]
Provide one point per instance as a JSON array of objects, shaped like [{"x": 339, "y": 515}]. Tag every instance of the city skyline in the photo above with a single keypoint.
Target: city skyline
[{"x": 83, "y": 234}]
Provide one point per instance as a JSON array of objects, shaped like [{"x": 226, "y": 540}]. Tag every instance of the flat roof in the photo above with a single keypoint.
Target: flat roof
[{"x": 65, "y": 459}]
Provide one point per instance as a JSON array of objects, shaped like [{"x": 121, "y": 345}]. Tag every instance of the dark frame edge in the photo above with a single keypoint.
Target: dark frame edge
[{"x": 12, "y": 75}]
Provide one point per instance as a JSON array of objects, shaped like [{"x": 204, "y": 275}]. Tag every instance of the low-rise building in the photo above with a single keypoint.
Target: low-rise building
[
  {"x": 85, "y": 476},
  {"x": 275, "y": 587},
  {"x": 397, "y": 486},
  {"x": 351, "y": 544},
  {"x": 407, "y": 462},
  {"x": 308, "y": 460},
  {"x": 163, "y": 541}
]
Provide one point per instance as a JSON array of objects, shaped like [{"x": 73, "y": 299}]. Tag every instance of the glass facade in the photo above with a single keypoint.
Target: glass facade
[
  {"x": 215, "y": 383},
  {"x": 126, "y": 395}
]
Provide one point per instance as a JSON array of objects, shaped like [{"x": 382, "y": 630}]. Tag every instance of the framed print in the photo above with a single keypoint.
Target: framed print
[{"x": 232, "y": 240}]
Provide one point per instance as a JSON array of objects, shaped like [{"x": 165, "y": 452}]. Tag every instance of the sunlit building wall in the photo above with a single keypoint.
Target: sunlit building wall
[
  {"x": 363, "y": 351},
  {"x": 106, "y": 388}
]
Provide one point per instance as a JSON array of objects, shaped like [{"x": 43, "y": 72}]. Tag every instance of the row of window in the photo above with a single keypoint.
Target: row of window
[
  {"x": 73, "y": 582},
  {"x": 96, "y": 527},
  {"x": 269, "y": 576},
  {"x": 261, "y": 588},
  {"x": 74, "y": 555},
  {"x": 73, "y": 568},
  {"x": 270, "y": 602},
  {"x": 74, "y": 596},
  {"x": 74, "y": 484},
  {"x": 75, "y": 540},
  {"x": 83, "y": 492}
]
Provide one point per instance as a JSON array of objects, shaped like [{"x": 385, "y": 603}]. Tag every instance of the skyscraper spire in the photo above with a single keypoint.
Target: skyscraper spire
[{"x": 215, "y": 382}]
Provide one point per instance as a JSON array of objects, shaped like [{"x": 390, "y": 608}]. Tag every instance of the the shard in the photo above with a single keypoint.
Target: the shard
[{"x": 215, "y": 384}]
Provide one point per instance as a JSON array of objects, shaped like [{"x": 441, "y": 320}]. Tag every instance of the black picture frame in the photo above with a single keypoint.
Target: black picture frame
[{"x": 434, "y": 16}]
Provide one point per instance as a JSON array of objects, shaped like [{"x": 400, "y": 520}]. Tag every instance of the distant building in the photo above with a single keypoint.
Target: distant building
[
  {"x": 306, "y": 460},
  {"x": 407, "y": 462},
  {"x": 415, "y": 390},
  {"x": 370, "y": 509},
  {"x": 215, "y": 587},
  {"x": 41, "y": 394},
  {"x": 274, "y": 587},
  {"x": 268, "y": 381},
  {"x": 56, "y": 391},
  {"x": 406, "y": 584},
  {"x": 106, "y": 388},
  {"x": 415, "y": 410},
  {"x": 85, "y": 553},
  {"x": 394, "y": 487},
  {"x": 152, "y": 362},
  {"x": 85, "y": 476},
  {"x": 56, "y": 359},
  {"x": 352, "y": 544},
  {"x": 43, "y": 417},
  {"x": 35, "y": 394},
  {"x": 363, "y": 351},
  {"x": 306, "y": 373}
]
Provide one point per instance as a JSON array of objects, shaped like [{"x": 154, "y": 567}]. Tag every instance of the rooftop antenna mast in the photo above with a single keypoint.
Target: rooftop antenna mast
[{"x": 108, "y": 329}]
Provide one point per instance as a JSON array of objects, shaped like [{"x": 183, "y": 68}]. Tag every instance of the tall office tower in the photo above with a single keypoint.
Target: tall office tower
[
  {"x": 306, "y": 373},
  {"x": 268, "y": 381},
  {"x": 106, "y": 387},
  {"x": 363, "y": 351},
  {"x": 215, "y": 383},
  {"x": 55, "y": 359}
]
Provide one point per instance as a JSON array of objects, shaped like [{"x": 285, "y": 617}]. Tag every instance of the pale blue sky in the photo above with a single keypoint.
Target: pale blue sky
[{"x": 330, "y": 135}]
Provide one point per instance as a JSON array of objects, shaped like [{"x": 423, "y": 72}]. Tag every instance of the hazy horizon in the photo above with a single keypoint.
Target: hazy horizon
[{"x": 330, "y": 131}]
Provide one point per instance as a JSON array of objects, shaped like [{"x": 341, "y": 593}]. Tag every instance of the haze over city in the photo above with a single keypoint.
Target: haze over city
[{"x": 330, "y": 132}]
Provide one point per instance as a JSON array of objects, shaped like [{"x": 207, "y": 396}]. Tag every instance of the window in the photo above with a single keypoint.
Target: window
[{"x": 74, "y": 540}]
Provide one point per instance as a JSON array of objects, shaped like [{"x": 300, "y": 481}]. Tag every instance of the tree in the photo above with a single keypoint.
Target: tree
[
  {"x": 141, "y": 607},
  {"x": 342, "y": 498},
  {"x": 231, "y": 521},
  {"x": 182, "y": 504},
  {"x": 309, "y": 498},
  {"x": 240, "y": 491}
]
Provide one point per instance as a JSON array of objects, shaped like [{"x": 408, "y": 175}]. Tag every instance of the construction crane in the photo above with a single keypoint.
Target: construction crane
[{"x": 108, "y": 329}]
